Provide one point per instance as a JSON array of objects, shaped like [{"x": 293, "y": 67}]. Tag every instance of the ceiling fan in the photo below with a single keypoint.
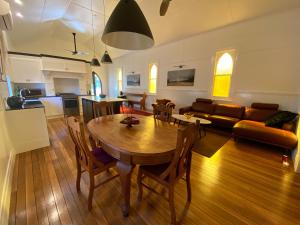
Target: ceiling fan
[
  {"x": 164, "y": 7},
  {"x": 75, "y": 52}
]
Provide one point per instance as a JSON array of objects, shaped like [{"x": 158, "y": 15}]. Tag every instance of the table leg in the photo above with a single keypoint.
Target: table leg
[{"x": 125, "y": 171}]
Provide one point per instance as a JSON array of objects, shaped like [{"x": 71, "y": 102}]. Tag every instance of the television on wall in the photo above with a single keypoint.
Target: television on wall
[{"x": 184, "y": 77}]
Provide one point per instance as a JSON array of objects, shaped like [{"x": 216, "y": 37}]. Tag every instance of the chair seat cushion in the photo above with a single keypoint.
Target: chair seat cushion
[{"x": 102, "y": 156}]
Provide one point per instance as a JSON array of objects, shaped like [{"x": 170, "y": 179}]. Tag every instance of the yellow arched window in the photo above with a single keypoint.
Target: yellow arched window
[
  {"x": 153, "y": 72},
  {"x": 120, "y": 80},
  {"x": 222, "y": 76}
]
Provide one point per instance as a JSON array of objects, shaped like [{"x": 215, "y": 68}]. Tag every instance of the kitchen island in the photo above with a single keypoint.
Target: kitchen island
[
  {"x": 27, "y": 126},
  {"x": 88, "y": 109}
]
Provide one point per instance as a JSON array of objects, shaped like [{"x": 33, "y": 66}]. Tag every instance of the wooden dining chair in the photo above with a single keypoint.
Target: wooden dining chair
[
  {"x": 170, "y": 173},
  {"x": 163, "y": 111},
  {"x": 103, "y": 108},
  {"x": 92, "y": 161}
]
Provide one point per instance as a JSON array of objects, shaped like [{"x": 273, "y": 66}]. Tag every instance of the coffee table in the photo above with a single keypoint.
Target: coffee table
[{"x": 192, "y": 119}]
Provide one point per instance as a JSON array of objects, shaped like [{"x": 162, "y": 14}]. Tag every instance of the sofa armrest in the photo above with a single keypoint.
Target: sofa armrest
[{"x": 185, "y": 109}]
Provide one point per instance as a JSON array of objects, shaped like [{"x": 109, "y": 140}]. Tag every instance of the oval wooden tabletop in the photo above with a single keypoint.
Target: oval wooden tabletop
[{"x": 149, "y": 142}]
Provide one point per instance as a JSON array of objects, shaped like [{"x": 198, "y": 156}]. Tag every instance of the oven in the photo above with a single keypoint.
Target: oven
[{"x": 70, "y": 104}]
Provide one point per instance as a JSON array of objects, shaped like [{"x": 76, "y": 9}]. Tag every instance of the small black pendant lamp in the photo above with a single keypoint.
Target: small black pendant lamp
[
  {"x": 95, "y": 61},
  {"x": 106, "y": 57},
  {"x": 127, "y": 28}
]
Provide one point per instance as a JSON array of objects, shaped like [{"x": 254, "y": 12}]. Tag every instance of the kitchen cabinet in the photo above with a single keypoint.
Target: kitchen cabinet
[
  {"x": 25, "y": 69},
  {"x": 53, "y": 106},
  {"x": 63, "y": 65}
]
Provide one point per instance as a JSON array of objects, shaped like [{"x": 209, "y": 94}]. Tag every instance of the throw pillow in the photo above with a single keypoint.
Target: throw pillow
[{"x": 280, "y": 118}]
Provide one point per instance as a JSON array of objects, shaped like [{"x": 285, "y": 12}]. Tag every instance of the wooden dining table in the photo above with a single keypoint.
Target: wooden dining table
[{"x": 151, "y": 142}]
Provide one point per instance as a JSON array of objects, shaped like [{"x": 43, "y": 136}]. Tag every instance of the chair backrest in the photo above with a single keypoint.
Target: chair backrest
[
  {"x": 181, "y": 161},
  {"x": 83, "y": 154},
  {"x": 163, "y": 111},
  {"x": 143, "y": 100},
  {"x": 103, "y": 109}
]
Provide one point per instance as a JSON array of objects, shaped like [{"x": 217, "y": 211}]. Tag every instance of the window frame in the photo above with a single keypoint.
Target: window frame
[
  {"x": 94, "y": 84},
  {"x": 218, "y": 54}
]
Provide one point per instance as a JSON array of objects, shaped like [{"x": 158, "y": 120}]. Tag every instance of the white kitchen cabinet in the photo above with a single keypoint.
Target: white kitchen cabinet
[
  {"x": 53, "y": 106},
  {"x": 63, "y": 65},
  {"x": 26, "y": 69}
]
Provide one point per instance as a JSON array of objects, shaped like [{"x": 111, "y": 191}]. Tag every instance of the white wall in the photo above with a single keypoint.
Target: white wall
[
  {"x": 267, "y": 67},
  {"x": 6, "y": 152}
]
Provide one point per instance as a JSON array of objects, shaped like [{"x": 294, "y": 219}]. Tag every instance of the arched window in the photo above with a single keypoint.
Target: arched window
[
  {"x": 96, "y": 85},
  {"x": 222, "y": 76},
  {"x": 153, "y": 72}
]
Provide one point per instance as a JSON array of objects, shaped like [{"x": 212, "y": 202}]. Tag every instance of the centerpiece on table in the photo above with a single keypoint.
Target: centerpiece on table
[{"x": 130, "y": 120}]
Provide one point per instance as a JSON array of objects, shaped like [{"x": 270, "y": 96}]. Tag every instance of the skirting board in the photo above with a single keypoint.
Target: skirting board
[{"x": 5, "y": 195}]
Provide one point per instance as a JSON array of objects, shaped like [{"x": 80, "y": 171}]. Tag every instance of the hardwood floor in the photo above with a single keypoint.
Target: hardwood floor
[{"x": 243, "y": 183}]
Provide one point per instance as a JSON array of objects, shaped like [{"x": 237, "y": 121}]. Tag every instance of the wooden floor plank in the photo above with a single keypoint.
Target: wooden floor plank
[
  {"x": 243, "y": 183},
  {"x": 30, "y": 195}
]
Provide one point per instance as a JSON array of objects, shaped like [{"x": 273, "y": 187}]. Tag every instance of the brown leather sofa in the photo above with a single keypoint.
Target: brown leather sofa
[
  {"x": 252, "y": 127},
  {"x": 224, "y": 115},
  {"x": 246, "y": 122}
]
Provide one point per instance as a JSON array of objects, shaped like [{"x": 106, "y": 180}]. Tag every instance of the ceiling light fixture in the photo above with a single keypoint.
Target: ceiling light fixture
[
  {"x": 106, "y": 57},
  {"x": 19, "y": 2},
  {"x": 18, "y": 14},
  {"x": 95, "y": 61},
  {"x": 127, "y": 28}
]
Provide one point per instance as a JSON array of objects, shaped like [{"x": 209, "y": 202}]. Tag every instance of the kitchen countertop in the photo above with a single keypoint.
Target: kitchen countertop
[
  {"x": 28, "y": 106},
  {"x": 106, "y": 99}
]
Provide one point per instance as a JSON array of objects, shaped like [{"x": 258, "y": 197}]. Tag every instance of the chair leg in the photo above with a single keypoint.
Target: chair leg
[
  {"x": 140, "y": 186},
  {"x": 172, "y": 206},
  {"x": 188, "y": 186},
  {"x": 78, "y": 177},
  {"x": 91, "y": 192}
]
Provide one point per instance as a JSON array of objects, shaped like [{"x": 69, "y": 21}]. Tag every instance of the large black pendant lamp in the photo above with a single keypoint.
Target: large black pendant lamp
[
  {"x": 106, "y": 57},
  {"x": 127, "y": 28},
  {"x": 95, "y": 61}
]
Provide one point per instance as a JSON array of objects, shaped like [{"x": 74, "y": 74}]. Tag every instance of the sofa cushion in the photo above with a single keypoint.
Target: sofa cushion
[
  {"x": 234, "y": 111},
  {"x": 223, "y": 121},
  {"x": 204, "y": 100},
  {"x": 257, "y": 131},
  {"x": 258, "y": 114},
  {"x": 267, "y": 106},
  {"x": 203, "y": 107},
  {"x": 280, "y": 118},
  {"x": 200, "y": 114}
]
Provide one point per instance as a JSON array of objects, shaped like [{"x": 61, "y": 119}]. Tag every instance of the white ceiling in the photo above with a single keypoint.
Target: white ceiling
[{"x": 47, "y": 24}]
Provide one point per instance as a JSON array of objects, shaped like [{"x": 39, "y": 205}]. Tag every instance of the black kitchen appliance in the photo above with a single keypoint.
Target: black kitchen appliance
[{"x": 70, "y": 104}]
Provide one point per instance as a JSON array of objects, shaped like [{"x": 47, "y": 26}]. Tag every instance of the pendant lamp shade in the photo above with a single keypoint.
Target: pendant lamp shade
[
  {"x": 106, "y": 58},
  {"x": 127, "y": 28},
  {"x": 95, "y": 62}
]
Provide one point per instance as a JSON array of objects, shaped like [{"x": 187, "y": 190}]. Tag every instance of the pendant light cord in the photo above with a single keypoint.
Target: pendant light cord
[
  {"x": 93, "y": 27},
  {"x": 103, "y": 1}
]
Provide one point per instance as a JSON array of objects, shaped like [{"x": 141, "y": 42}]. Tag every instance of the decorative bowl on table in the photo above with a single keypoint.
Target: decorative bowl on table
[
  {"x": 102, "y": 95},
  {"x": 188, "y": 115},
  {"x": 130, "y": 120}
]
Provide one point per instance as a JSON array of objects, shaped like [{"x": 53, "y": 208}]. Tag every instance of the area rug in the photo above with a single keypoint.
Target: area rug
[
  {"x": 208, "y": 145},
  {"x": 127, "y": 110}
]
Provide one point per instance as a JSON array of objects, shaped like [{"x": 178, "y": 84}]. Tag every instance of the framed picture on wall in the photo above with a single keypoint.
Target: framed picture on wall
[
  {"x": 184, "y": 77},
  {"x": 133, "y": 80}
]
